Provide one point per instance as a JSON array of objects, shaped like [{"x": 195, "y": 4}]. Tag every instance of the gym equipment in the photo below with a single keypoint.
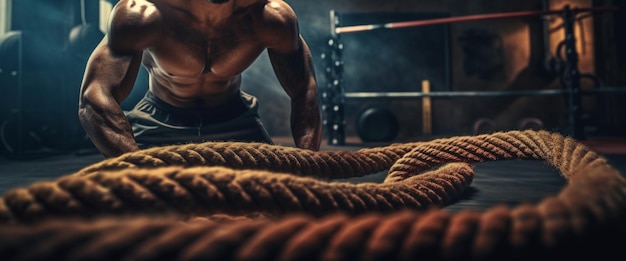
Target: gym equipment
[
  {"x": 83, "y": 39},
  {"x": 334, "y": 95},
  {"x": 377, "y": 124}
]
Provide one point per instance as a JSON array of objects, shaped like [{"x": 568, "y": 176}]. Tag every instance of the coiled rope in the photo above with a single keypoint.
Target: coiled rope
[{"x": 236, "y": 201}]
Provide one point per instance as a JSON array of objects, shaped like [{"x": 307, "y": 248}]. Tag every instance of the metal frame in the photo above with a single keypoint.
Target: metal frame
[{"x": 333, "y": 97}]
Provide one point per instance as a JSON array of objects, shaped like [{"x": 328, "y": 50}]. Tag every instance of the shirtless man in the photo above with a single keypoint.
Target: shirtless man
[{"x": 195, "y": 52}]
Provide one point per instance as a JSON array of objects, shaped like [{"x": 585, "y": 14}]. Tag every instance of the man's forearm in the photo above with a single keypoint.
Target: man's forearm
[
  {"x": 296, "y": 74},
  {"x": 306, "y": 125}
]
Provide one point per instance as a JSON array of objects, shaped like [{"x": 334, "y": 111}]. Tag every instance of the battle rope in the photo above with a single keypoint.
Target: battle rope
[
  {"x": 260, "y": 156},
  {"x": 203, "y": 191},
  {"x": 103, "y": 205}
]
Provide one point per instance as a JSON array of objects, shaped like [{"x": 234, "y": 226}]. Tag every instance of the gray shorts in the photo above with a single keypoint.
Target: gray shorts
[{"x": 157, "y": 123}]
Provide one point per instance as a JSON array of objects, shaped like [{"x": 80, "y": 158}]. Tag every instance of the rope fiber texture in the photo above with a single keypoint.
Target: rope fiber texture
[{"x": 248, "y": 201}]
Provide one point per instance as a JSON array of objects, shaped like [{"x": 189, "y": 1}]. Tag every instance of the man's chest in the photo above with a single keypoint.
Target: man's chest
[{"x": 187, "y": 50}]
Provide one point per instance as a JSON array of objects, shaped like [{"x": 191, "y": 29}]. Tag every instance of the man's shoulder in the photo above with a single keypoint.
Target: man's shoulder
[
  {"x": 135, "y": 12},
  {"x": 134, "y": 21},
  {"x": 277, "y": 23},
  {"x": 279, "y": 11}
]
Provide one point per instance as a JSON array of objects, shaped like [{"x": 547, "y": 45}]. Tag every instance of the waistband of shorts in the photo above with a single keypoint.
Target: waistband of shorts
[{"x": 167, "y": 113}]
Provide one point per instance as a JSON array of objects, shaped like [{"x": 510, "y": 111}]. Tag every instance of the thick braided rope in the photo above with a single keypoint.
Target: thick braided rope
[
  {"x": 563, "y": 153},
  {"x": 548, "y": 230},
  {"x": 585, "y": 219},
  {"x": 201, "y": 191},
  {"x": 260, "y": 156}
]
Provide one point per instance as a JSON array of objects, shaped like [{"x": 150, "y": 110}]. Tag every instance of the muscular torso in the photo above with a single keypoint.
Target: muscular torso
[
  {"x": 198, "y": 64},
  {"x": 195, "y": 52}
]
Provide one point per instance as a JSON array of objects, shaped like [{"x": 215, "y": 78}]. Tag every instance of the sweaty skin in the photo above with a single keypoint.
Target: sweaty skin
[{"x": 194, "y": 52}]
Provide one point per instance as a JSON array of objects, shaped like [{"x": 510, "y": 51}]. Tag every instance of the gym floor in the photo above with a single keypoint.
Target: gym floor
[{"x": 500, "y": 182}]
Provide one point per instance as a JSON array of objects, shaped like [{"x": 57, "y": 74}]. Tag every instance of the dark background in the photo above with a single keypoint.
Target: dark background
[{"x": 42, "y": 60}]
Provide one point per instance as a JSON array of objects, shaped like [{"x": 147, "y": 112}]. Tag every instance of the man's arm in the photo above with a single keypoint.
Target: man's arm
[
  {"x": 109, "y": 77},
  {"x": 291, "y": 59}
]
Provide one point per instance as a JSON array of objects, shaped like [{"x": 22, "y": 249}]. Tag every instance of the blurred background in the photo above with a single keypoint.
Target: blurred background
[{"x": 44, "y": 46}]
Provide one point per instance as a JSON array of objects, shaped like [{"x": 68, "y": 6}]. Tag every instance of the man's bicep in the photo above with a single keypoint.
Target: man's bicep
[
  {"x": 110, "y": 73},
  {"x": 115, "y": 62},
  {"x": 294, "y": 70}
]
